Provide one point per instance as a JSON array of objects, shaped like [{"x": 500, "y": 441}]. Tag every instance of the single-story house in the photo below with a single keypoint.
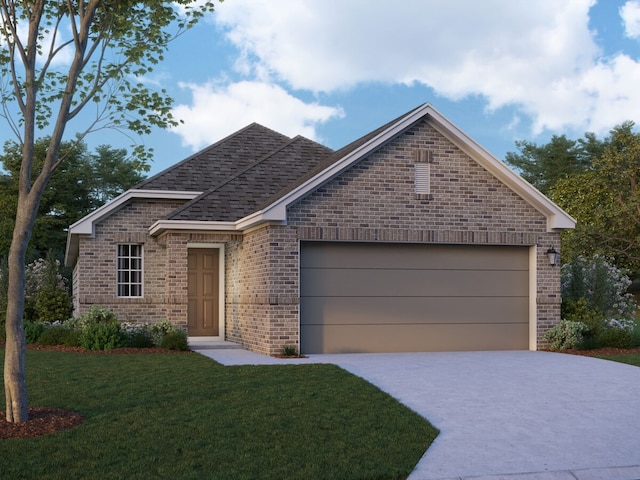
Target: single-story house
[{"x": 411, "y": 238}]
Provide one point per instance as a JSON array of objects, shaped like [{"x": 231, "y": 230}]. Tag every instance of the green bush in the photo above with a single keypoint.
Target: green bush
[
  {"x": 60, "y": 335},
  {"x": 53, "y": 304},
  {"x": 175, "y": 340},
  {"x": 102, "y": 336},
  {"x": 139, "y": 338},
  {"x": 579, "y": 311},
  {"x": 32, "y": 331},
  {"x": 566, "y": 334},
  {"x": 616, "y": 337}
]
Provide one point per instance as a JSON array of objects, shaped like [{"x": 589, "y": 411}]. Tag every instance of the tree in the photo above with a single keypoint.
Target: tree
[
  {"x": 606, "y": 202},
  {"x": 105, "y": 47},
  {"x": 83, "y": 182},
  {"x": 544, "y": 165}
]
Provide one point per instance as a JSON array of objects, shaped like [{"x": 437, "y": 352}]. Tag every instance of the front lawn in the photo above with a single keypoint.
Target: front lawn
[
  {"x": 184, "y": 416},
  {"x": 630, "y": 358}
]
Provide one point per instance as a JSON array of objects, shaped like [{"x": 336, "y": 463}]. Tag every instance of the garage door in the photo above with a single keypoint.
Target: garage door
[{"x": 405, "y": 298}]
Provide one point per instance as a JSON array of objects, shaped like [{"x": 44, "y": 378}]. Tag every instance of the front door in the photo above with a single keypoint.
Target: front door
[{"x": 203, "y": 286}]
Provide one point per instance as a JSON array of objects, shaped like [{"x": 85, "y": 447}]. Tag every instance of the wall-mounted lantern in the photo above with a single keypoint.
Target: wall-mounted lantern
[{"x": 553, "y": 256}]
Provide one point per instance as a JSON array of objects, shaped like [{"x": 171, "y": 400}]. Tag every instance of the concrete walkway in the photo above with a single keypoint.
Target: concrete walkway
[{"x": 506, "y": 415}]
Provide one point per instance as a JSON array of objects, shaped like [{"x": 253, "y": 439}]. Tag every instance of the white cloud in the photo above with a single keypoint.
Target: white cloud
[
  {"x": 630, "y": 13},
  {"x": 541, "y": 58},
  {"x": 218, "y": 110}
]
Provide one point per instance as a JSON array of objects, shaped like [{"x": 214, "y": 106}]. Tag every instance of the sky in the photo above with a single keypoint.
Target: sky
[{"x": 334, "y": 70}]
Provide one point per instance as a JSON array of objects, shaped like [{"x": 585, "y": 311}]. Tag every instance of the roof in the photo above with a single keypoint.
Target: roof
[
  {"x": 243, "y": 193},
  {"x": 253, "y": 175},
  {"x": 218, "y": 162}
]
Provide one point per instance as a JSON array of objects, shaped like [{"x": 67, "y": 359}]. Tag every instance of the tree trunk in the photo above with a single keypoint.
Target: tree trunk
[{"x": 15, "y": 385}]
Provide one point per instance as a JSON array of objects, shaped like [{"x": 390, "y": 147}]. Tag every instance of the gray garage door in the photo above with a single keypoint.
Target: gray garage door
[{"x": 405, "y": 298}]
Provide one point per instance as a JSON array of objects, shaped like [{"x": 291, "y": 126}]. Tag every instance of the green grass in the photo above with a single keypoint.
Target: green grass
[
  {"x": 630, "y": 358},
  {"x": 184, "y": 416}
]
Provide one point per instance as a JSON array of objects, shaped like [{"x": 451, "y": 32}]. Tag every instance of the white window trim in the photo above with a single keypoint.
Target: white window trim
[{"x": 141, "y": 271}]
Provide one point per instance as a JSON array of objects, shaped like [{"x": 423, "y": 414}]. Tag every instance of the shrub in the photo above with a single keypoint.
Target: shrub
[
  {"x": 579, "y": 311},
  {"x": 44, "y": 274},
  {"x": 139, "y": 338},
  {"x": 60, "y": 335},
  {"x": 289, "y": 351},
  {"x": 616, "y": 337},
  {"x": 566, "y": 334},
  {"x": 175, "y": 340},
  {"x": 602, "y": 286},
  {"x": 102, "y": 336},
  {"x": 160, "y": 330},
  {"x": 94, "y": 316},
  {"x": 53, "y": 304},
  {"x": 32, "y": 331}
]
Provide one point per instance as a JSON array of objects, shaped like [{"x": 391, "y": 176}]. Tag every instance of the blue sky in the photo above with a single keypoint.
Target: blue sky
[{"x": 333, "y": 70}]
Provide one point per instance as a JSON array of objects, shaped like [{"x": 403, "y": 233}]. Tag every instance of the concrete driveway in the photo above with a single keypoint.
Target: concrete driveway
[{"x": 513, "y": 415}]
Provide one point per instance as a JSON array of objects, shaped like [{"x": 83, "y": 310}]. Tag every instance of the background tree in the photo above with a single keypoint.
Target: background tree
[
  {"x": 82, "y": 183},
  {"x": 606, "y": 202},
  {"x": 544, "y": 165},
  {"x": 110, "y": 45}
]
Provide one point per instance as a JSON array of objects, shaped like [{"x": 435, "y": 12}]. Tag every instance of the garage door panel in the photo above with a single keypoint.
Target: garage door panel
[
  {"x": 412, "y": 338},
  {"x": 412, "y": 310},
  {"x": 449, "y": 257},
  {"x": 339, "y": 282},
  {"x": 396, "y": 297}
]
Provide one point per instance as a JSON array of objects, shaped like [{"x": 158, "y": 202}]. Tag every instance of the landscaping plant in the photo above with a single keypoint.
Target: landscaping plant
[{"x": 594, "y": 294}]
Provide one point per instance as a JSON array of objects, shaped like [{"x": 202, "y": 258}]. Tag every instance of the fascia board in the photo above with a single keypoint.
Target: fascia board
[
  {"x": 162, "y": 225},
  {"x": 86, "y": 224}
]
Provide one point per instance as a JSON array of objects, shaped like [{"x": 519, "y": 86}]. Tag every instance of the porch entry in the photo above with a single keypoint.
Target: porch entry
[{"x": 204, "y": 292}]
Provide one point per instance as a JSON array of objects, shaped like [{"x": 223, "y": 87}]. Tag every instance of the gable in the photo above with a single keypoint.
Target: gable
[
  {"x": 379, "y": 192},
  {"x": 555, "y": 217}
]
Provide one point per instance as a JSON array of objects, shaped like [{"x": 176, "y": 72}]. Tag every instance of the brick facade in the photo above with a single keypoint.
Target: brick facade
[{"x": 373, "y": 201}]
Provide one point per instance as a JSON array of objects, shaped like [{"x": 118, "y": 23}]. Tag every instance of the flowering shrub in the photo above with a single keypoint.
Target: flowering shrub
[
  {"x": 600, "y": 284},
  {"x": 594, "y": 292},
  {"x": 566, "y": 334}
]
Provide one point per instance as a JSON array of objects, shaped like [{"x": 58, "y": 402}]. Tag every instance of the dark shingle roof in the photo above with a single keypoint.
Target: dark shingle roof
[
  {"x": 218, "y": 162},
  {"x": 242, "y": 194}
]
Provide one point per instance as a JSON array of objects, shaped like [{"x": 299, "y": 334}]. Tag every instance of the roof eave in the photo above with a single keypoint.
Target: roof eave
[{"x": 162, "y": 226}]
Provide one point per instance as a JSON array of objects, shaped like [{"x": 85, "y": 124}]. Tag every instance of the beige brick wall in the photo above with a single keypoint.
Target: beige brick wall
[{"x": 94, "y": 276}]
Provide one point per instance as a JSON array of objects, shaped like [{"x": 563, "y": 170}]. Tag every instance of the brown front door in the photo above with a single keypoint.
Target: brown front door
[{"x": 203, "y": 292}]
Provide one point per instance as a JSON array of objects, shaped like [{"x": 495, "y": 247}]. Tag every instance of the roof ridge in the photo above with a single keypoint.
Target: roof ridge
[{"x": 204, "y": 151}]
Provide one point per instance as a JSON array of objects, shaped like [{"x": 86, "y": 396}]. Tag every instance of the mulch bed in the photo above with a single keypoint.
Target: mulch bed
[
  {"x": 42, "y": 421},
  {"x": 46, "y": 420},
  {"x": 602, "y": 351}
]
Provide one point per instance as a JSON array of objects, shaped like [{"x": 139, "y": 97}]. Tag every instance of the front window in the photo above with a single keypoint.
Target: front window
[{"x": 130, "y": 270}]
